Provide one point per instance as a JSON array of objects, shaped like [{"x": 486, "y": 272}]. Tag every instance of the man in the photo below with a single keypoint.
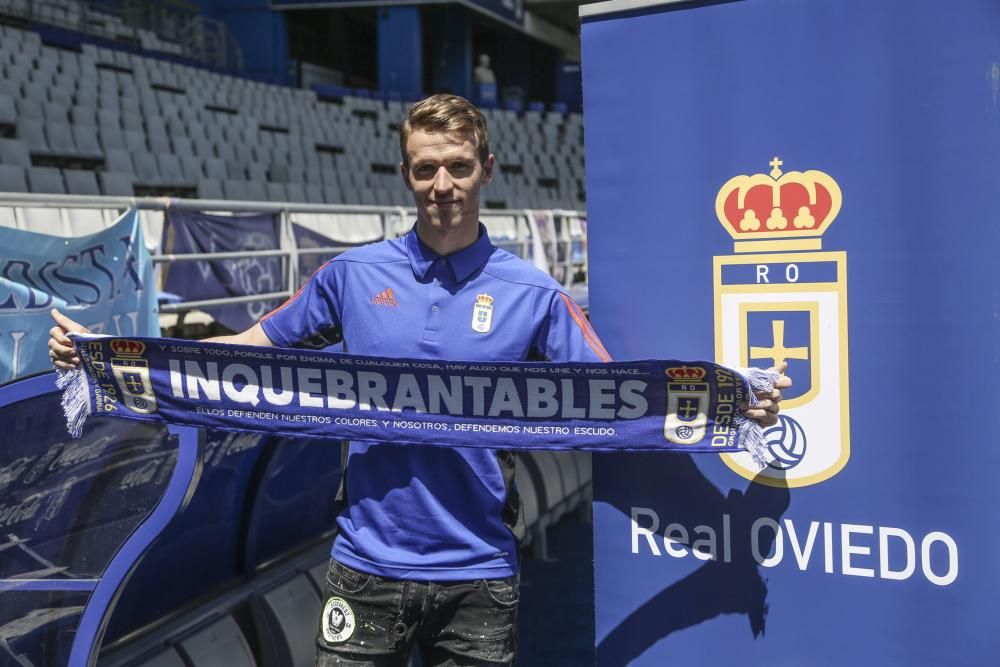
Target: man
[{"x": 427, "y": 547}]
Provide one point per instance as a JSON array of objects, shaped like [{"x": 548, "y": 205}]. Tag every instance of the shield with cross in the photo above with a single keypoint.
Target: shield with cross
[
  {"x": 790, "y": 307},
  {"x": 132, "y": 377}
]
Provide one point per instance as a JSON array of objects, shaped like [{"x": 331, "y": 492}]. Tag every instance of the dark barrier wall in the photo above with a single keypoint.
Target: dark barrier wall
[
  {"x": 815, "y": 182},
  {"x": 103, "y": 537}
]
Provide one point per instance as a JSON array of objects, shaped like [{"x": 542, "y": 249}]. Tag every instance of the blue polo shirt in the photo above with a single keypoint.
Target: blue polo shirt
[{"x": 432, "y": 513}]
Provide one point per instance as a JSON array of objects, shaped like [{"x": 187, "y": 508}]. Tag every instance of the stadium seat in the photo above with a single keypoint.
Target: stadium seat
[
  {"x": 116, "y": 184},
  {"x": 81, "y": 182},
  {"x": 235, "y": 190},
  {"x": 86, "y": 142},
  {"x": 168, "y": 658},
  {"x": 287, "y": 615},
  {"x": 221, "y": 643},
  {"x": 210, "y": 188},
  {"x": 12, "y": 178},
  {"x": 47, "y": 180},
  {"x": 8, "y": 113},
  {"x": 14, "y": 151}
]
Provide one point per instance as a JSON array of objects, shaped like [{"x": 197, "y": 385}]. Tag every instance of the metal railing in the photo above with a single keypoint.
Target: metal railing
[{"x": 554, "y": 240}]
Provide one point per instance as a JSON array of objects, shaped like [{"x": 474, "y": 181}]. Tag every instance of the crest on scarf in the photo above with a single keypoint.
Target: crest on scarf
[
  {"x": 780, "y": 299},
  {"x": 131, "y": 373},
  {"x": 687, "y": 403}
]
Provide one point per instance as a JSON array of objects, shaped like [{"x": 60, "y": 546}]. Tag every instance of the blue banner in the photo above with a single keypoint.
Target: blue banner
[
  {"x": 197, "y": 232},
  {"x": 104, "y": 281},
  {"x": 806, "y": 181},
  {"x": 615, "y": 406}
]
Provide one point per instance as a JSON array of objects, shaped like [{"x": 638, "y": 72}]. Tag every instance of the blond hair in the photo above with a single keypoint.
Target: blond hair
[{"x": 446, "y": 113}]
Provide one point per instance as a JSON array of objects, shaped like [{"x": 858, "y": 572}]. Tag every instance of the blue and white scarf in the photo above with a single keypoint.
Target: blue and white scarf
[{"x": 606, "y": 407}]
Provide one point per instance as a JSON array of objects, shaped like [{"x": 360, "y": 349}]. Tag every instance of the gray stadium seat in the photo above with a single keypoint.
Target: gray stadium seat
[
  {"x": 33, "y": 133},
  {"x": 221, "y": 643},
  {"x": 288, "y": 615},
  {"x": 8, "y": 113},
  {"x": 191, "y": 168},
  {"x": 215, "y": 168},
  {"x": 146, "y": 170},
  {"x": 119, "y": 160},
  {"x": 256, "y": 191},
  {"x": 210, "y": 188},
  {"x": 60, "y": 138},
  {"x": 235, "y": 190},
  {"x": 276, "y": 192},
  {"x": 86, "y": 141},
  {"x": 296, "y": 192},
  {"x": 14, "y": 151},
  {"x": 12, "y": 178},
  {"x": 116, "y": 184},
  {"x": 81, "y": 182},
  {"x": 171, "y": 171},
  {"x": 47, "y": 180}
]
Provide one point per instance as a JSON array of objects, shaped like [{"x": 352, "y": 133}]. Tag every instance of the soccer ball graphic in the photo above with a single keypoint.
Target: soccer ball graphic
[{"x": 786, "y": 441}]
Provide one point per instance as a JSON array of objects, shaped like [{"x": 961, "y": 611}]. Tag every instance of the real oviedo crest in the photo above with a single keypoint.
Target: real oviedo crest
[
  {"x": 482, "y": 313},
  {"x": 780, "y": 298},
  {"x": 131, "y": 373}
]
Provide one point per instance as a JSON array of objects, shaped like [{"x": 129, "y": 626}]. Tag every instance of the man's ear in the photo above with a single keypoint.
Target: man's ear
[
  {"x": 488, "y": 167},
  {"x": 406, "y": 175}
]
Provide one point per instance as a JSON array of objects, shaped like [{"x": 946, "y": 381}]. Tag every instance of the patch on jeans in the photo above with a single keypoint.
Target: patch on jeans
[{"x": 338, "y": 621}]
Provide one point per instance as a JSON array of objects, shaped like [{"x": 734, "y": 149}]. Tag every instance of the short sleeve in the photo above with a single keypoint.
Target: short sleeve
[
  {"x": 567, "y": 335},
  {"x": 312, "y": 317}
]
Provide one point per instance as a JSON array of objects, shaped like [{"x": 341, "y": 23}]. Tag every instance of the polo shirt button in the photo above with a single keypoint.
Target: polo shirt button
[{"x": 434, "y": 307}]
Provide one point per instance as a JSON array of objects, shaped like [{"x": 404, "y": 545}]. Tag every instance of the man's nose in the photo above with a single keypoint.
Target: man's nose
[{"x": 442, "y": 180}]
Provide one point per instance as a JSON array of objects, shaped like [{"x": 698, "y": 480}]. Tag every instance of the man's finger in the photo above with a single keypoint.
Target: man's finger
[
  {"x": 58, "y": 333},
  {"x": 66, "y": 323},
  {"x": 61, "y": 350}
]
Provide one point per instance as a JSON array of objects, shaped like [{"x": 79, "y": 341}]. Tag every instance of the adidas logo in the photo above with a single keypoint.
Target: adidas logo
[{"x": 385, "y": 298}]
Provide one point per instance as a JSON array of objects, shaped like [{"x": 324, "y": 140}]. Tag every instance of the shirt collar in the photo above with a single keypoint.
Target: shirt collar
[{"x": 463, "y": 263}]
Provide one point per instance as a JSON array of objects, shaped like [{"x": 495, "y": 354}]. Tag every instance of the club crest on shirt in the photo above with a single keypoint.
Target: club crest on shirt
[
  {"x": 482, "y": 313},
  {"x": 338, "y": 621}
]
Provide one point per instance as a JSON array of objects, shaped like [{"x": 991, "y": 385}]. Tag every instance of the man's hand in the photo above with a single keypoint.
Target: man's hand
[
  {"x": 61, "y": 350},
  {"x": 766, "y": 410}
]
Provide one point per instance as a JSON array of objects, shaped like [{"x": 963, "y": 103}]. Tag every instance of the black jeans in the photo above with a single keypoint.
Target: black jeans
[{"x": 372, "y": 621}]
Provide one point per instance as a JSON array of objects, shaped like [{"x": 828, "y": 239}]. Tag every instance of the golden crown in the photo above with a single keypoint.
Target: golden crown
[
  {"x": 779, "y": 205},
  {"x": 685, "y": 373},
  {"x": 128, "y": 348},
  {"x": 484, "y": 299}
]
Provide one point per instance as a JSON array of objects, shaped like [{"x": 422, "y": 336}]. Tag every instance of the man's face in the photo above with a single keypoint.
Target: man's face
[{"x": 445, "y": 175}]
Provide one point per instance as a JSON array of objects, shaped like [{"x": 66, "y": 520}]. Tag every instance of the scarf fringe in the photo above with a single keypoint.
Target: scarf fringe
[
  {"x": 751, "y": 433},
  {"x": 75, "y": 399}
]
